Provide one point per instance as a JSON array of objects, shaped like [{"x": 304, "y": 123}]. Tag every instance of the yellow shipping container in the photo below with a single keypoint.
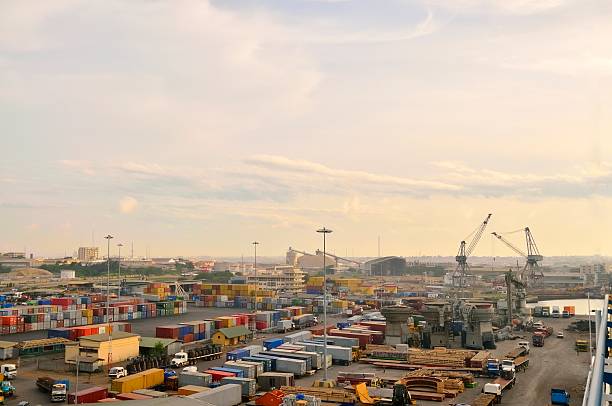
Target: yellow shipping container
[
  {"x": 141, "y": 380},
  {"x": 191, "y": 389}
]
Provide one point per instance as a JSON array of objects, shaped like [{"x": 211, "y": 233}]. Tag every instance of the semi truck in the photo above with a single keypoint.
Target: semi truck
[
  {"x": 57, "y": 389},
  {"x": 545, "y": 311},
  {"x": 538, "y": 339},
  {"x": 8, "y": 371},
  {"x": 555, "y": 312}
]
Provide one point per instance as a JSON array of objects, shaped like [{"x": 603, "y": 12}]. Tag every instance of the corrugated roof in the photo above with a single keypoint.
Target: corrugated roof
[
  {"x": 151, "y": 342},
  {"x": 233, "y": 332},
  {"x": 7, "y": 344},
  {"x": 116, "y": 335}
]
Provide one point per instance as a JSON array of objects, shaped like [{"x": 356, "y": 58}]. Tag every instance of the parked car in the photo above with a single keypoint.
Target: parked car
[{"x": 560, "y": 334}]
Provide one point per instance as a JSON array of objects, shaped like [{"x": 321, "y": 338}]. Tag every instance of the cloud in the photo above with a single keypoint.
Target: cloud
[
  {"x": 84, "y": 167},
  {"x": 519, "y": 7},
  {"x": 348, "y": 178},
  {"x": 128, "y": 204}
]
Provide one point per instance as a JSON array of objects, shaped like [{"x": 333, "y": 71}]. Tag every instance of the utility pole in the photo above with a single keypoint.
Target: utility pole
[
  {"x": 108, "y": 321},
  {"x": 255, "y": 244},
  {"x": 119, "y": 269},
  {"x": 324, "y": 231}
]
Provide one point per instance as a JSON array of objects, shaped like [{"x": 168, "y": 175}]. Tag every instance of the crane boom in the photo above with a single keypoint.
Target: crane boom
[
  {"x": 465, "y": 250},
  {"x": 477, "y": 236},
  {"x": 509, "y": 244}
]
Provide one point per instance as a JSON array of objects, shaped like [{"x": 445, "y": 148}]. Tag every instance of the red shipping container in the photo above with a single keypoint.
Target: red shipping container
[
  {"x": 364, "y": 339},
  {"x": 167, "y": 331},
  {"x": 89, "y": 395},
  {"x": 261, "y": 325},
  {"x": 218, "y": 375},
  {"x": 187, "y": 338}
]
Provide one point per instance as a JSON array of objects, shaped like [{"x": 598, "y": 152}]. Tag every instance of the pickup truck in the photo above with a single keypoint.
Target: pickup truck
[
  {"x": 559, "y": 397},
  {"x": 117, "y": 372},
  {"x": 57, "y": 389},
  {"x": 9, "y": 371}
]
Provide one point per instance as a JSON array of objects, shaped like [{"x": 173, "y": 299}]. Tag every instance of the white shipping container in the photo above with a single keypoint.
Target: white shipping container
[{"x": 224, "y": 395}]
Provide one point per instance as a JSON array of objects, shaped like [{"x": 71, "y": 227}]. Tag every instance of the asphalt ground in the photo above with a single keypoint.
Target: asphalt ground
[{"x": 555, "y": 365}]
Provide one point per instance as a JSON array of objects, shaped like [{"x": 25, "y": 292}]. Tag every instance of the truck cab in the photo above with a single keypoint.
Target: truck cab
[
  {"x": 493, "y": 367},
  {"x": 180, "y": 359},
  {"x": 538, "y": 340},
  {"x": 559, "y": 397},
  {"x": 117, "y": 372},
  {"x": 525, "y": 345},
  {"x": 9, "y": 371},
  {"x": 59, "y": 392}
]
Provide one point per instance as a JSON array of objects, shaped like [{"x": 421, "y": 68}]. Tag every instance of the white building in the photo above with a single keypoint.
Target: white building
[
  {"x": 67, "y": 274},
  {"x": 283, "y": 278}
]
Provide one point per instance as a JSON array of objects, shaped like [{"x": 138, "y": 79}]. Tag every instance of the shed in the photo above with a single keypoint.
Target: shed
[
  {"x": 7, "y": 349},
  {"x": 231, "y": 335},
  {"x": 171, "y": 346}
]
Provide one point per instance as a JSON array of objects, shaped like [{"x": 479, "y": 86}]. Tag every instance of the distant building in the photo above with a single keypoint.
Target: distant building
[
  {"x": 14, "y": 255},
  {"x": 97, "y": 348},
  {"x": 136, "y": 263},
  {"x": 281, "y": 278},
  {"x": 67, "y": 274},
  {"x": 88, "y": 254},
  {"x": 15, "y": 263},
  {"x": 386, "y": 266}
]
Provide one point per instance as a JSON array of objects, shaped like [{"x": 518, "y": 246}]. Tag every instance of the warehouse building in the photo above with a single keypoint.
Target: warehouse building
[
  {"x": 386, "y": 266},
  {"x": 231, "y": 335},
  {"x": 96, "y": 348},
  {"x": 7, "y": 350}
]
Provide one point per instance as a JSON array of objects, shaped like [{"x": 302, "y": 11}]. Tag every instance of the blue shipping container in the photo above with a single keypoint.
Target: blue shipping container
[{"x": 272, "y": 343}]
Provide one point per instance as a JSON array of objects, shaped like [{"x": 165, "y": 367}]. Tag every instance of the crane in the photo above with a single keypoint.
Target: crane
[
  {"x": 532, "y": 267},
  {"x": 337, "y": 258},
  {"x": 521, "y": 294},
  {"x": 466, "y": 249}
]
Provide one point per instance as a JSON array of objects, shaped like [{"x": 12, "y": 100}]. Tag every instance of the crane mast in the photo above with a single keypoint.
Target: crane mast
[
  {"x": 532, "y": 267},
  {"x": 464, "y": 252}
]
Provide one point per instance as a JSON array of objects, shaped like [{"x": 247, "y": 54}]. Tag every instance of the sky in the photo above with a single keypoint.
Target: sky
[{"x": 193, "y": 127}]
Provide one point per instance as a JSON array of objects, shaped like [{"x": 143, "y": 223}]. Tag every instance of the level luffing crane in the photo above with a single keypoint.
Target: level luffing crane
[
  {"x": 466, "y": 249},
  {"x": 532, "y": 267}
]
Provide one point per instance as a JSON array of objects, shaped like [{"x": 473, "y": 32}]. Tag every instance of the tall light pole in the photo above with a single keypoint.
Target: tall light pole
[
  {"x": 324, "y": 231},
  {"x": 119, "y": 268},
  {"x": 108, "y": 327},
  {"x": 255, "y": 244}
]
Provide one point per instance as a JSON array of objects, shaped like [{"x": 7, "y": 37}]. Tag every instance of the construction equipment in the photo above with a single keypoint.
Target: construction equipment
[
  {"x": 512, "y": 283},
  {"x": 459, "y": 276},
  {"x": 532, "y": 268}
]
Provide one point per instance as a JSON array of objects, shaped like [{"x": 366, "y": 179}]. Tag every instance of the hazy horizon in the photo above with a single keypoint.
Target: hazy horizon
[{"x": 202, "y": 125}]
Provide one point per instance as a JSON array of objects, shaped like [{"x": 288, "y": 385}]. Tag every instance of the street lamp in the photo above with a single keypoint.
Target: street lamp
[
  {"x": 108, "y": 327},
  {"x": 119, "y": 268},
  {"x": 255, "y": 244},
  {"x": 324, "y": 231}
]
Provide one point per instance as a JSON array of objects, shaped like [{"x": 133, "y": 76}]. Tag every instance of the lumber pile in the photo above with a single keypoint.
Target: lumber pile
[
  {"x": 428, "y": 380},
  {"x": 440, "y": 356},
  {"x": 325, "y": 394},
  {"x": 484, "y": 399},
  {"x": 480, "y": 359}
]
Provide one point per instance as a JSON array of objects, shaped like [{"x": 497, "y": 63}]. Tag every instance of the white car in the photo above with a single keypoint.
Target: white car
[
  {"x": 117, "y": 372},
  {"x": 560, "y": 334}
]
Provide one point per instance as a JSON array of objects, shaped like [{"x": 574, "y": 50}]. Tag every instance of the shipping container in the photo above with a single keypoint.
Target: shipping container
[
  {"x": 248, "y": 385},
  {"x": 274, "y": 380},
  {"x": 194, "y": 378},
  {"x": 294, "y": 366},
  {"x": 89, "y": 395},
  {"x": 248, "y": 371},
  {"x": 141, "y": 380},
  {"x": 191, "y": 389},
  {"x": 272, "y": 343},
  {"x": 225, "y": 395},
  {"x": 218, "y": 375}
]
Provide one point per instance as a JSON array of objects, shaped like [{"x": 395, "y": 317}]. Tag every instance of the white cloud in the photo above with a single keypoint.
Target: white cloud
[
  {"x": 521, "y": 7},
  {"x": 128, "y": 204},
  {"x": 84, "y": 167}
]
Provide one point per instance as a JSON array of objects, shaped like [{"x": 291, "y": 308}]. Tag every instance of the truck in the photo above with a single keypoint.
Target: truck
[
  {"x": 555, "y": 312},
  {"x": 545, "y": 311},
  {"x": 537, "y": 339},
  {"x": 304, "y": 320},
  {"x": 492, "y": 367},
  {"x": 571, "y": 310},
  {"x": 180, "y": 359},
  {"x": 57, "y": 389},
  {"x": 537, "y": 311},
  {"x": 525, "y": 345},
  {"x": 521, "y": 363},
  {"x": 117, "y": 372},
  {"x": 8, "y": 371},
  {"x": 559, "y": 397}
]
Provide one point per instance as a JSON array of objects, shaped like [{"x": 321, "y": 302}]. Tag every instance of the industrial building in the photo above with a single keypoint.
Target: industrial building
[
  {"x": 281, "y": 278},
  {"x": 386, "y": 266},
  {"x": 231, "y": 335},
  {"x": 96, "y": 349}
]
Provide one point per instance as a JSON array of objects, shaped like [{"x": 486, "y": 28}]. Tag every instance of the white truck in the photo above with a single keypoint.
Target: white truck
[
  {"x": 180, "y": 359},
  {"x": 8, "y": 371},
  {"x": 525, "y": 345},
  {"x": 555, "y": 312},
  {"x": 117, "y": 372}
]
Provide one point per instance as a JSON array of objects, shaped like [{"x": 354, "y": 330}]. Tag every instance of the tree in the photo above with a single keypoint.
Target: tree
[{"x": 158, "y": 350}]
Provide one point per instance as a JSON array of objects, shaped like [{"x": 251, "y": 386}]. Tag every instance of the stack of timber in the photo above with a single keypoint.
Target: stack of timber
[
  {"x": 484, "y": 399},
  {"x": 354, "y": 378},
  {"x": 440, "y": 356},
  {"x": 325, "y": 394},
  {"x": 465, "y": 377},
  {"x": 480, "y": 359}
]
